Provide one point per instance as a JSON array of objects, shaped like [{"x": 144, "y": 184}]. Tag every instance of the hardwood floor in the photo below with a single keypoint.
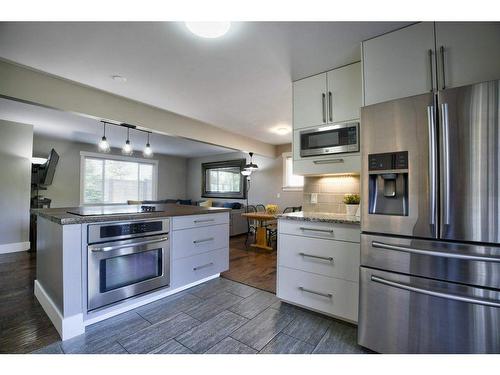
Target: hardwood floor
[
  {"x": 24, "y": 326},
  {"x": 251, "y": 266}
]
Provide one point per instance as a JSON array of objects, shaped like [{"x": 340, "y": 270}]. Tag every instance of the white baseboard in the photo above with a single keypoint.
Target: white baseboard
[
  {"x": 66, "y": 327},
  {"x": 14, "y": 247}
]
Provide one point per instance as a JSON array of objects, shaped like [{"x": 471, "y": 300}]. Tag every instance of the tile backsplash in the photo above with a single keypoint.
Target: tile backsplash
[{"x": 331, "y": 191}]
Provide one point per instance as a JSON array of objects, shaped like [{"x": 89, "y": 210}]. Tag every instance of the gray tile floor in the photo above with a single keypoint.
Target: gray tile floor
[{"x": 217, "y": 317}]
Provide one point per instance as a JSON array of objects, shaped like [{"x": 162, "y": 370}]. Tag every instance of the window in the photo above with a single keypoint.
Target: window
[
  {"x": 223, "y": 179},
  {"x": 114, "y": 179},
  {"x": 290, "y": 181}
]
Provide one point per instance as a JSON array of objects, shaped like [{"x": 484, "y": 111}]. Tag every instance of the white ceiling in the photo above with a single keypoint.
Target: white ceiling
[
  {"x": 240, "y": 82},
  {"x": 56, "y": 124}
]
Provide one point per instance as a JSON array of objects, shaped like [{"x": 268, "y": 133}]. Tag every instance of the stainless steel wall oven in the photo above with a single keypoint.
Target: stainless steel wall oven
[{"x": 126, "y": 259}]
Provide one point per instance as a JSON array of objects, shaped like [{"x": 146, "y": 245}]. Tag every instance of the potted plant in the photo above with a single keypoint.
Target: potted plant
[{"x": 351, "y": 202}]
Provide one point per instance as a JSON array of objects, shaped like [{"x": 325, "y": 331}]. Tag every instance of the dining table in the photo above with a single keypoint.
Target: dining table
[{"x": 261, "y": 232}]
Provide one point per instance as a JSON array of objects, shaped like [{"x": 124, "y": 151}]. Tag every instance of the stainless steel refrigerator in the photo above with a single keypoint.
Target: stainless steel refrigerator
[{"x": 430, "y": 243}]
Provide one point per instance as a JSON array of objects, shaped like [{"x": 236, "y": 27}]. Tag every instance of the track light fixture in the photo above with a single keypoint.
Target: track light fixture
[
  {"x": 127, "y": 147},
  {"x": 148, "y": 151},
  {"x": 103, "y": 143}
]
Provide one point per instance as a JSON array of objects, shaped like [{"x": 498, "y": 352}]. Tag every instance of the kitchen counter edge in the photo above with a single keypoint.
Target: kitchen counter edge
[
  {"x": 321, "y": 217},
  {"x": 62, "y": 217}
]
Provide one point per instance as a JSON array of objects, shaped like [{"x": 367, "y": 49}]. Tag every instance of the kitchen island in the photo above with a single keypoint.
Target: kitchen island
[{"x": 97, "y": 262}]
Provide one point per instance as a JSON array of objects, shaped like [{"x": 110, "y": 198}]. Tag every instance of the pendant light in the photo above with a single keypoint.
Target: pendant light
[
  {"x": 148, "y": 151},
  {"x": 249, "y": 167},
  {"x": 103, "y": 143},
  {"x": 127, "y": 147}
]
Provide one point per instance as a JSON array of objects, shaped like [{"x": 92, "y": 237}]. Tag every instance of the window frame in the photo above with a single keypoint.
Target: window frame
[
  {"x": 285, "y": 187},
  {"x": 240, "y": 163},
  {"x": 95, "y": 155}
]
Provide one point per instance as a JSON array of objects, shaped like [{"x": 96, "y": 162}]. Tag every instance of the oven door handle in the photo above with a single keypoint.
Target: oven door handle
[
  {"x": 444, "y": 254},
  {"x": 100, "y": 249},
  {"x": 435, "y": 293}
]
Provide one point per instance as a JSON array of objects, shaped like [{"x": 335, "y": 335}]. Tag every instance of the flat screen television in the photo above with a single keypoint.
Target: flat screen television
[{"x": 47, "y": 170}]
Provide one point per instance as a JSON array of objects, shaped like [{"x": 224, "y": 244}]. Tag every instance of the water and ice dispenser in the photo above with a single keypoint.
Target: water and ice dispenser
[{"x": 388, "y": 183}]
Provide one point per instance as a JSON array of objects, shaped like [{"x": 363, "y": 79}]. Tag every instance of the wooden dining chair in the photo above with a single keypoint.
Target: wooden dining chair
[{"x": 251, "y": 223}]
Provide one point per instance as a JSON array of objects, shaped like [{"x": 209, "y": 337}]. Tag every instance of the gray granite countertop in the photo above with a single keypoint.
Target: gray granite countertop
[
  {"x": 325, "y": 217},
  {"x": 63, "y": 217}
]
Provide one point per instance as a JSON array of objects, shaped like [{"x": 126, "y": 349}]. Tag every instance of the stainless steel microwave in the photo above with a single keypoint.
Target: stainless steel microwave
[{"x": 330, "y": 139}]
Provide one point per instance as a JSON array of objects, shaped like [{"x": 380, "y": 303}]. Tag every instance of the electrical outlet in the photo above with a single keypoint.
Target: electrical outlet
[
  {"x": 314, "y": 197},
  {"x": 278, "y": 195}
]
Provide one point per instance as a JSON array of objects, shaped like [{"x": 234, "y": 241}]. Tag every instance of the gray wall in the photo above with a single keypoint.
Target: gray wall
[
  {"x": 16, "y": 144},
  {"x": 266, "y": 183},
  {"x": 65, "y": 188}
]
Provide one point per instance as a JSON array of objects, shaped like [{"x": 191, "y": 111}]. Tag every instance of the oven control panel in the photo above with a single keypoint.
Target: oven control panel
[
  {"x": 127, "y": 230},
  {"x": 130, "y": 228}
]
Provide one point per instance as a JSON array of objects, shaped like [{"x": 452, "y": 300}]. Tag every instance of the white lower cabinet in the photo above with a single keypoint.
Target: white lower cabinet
[
  {"x": 319, "y": 272},
  {"x": 324, "y": 294},
  {"x": 199, "y": 247},
  {"x": 197, "y": 267}
]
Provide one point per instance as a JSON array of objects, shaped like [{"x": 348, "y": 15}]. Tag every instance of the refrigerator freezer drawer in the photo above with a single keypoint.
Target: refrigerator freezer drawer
[
  {"x": 405, "y": 314},
  {"x": 455, "y": 262}
]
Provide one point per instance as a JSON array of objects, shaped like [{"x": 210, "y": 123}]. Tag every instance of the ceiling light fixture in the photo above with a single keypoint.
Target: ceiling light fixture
[
  {"x": 127, "y": 147},
  {"x": 209, "y": 30},
  {"x": 103, "y": 143},
  {"x": 148, "y": 152},
  {"x": 281, "y": 130}
]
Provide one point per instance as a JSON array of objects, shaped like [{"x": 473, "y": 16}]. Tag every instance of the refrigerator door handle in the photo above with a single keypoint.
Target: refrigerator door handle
[
  {"x": 432, "y": 168},
  {"x": 444, "y": 254},
  {"x": 436, "y": 293},
  {"x": 446, "y": 161}
]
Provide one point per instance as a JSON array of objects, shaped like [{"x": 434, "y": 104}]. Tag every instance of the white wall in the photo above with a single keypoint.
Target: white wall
[
  {"x": 266, "y": 183},
  {"x": 65, "y": 188},
  {"x": 16, "y": 144}
]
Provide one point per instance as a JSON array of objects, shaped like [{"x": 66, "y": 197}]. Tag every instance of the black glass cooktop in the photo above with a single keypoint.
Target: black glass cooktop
[{"x": 113, "y": 210}]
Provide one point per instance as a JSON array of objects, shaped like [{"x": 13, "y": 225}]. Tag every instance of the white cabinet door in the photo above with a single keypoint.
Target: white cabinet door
[
  {"x": 471, "y": 52},
  {"x": 344, "y": 93},
  {"x": 309, "y": 101},
  {"x": 397, "y": 65}
]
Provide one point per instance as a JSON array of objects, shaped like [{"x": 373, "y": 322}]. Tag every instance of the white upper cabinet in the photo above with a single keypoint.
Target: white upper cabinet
[
  {"x": 327, "y": 98},
  {"x": 471, "y": 52},
  {"x": 399, "y": 64},
  {"x": 344, "y": 93},
  {"x": 309, "y": 101}
]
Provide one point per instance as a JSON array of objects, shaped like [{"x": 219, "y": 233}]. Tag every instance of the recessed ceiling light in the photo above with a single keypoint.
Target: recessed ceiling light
[
  {"x": 209, "y": 29},
  {"x": 119, "y": 78},
  {"x": 281, "y": 129}
]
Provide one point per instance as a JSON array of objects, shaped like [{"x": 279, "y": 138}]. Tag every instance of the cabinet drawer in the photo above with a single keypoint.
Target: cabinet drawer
[
  {"x": 325, "y": 257},
  {"x": 340, "y": 163},
  {"x": 188, "y": 242},
  {"x": 197, "y": 267},
  {"x": 321, "y": 293},
  {"x": 330, "y": 231},
  {"x": 195, "y": 221}
]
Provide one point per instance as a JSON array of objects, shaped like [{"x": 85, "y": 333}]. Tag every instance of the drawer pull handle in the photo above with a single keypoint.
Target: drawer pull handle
[
  {"x": 328, "y": 161},
  {"x": 330, "y": 259},
  {"x": 317, "y": 230},
  {"x": 327, "y": 295},
  {"x": 203, "y": 240},
  {"x": 204, "y": 221},
  {"x": 436, "y": 293},
  {"x": 203, "y": 266}
]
